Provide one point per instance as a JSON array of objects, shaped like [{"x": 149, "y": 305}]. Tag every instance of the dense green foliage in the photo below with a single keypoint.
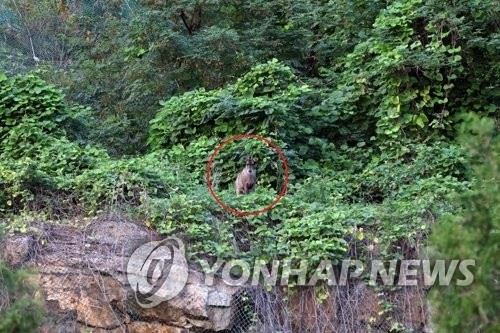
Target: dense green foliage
[
  {"x": 334, "y": 191},
  {"x": 43, "y": 166},
  {"x": 415, "y": 70},
  {"x": 473, "y": 233},
  {"x": 393, "y": 69},
  {"x": 364, "y": 97},
  {"x": 268, "y": 101},
  {"x": 20, "y": 311}
]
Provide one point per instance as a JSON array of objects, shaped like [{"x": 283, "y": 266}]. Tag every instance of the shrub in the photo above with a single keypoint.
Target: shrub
[
  {"x": 126, "y": 181},
  {"x": 473, "y": 233},
  {"x": 262, "y": 101},
  {"x": 40, "y": 165},
  {"x": 29, "y": 99},
  {"x": 20, "y": 311},
  {"x": 267, "y": 100}
]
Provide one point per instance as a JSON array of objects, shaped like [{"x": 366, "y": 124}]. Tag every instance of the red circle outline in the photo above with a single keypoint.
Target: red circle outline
[{"x": 268, "y": 142}]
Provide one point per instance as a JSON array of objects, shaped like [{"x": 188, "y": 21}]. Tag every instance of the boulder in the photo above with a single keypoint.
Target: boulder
[{"x": 17, "y": 249}]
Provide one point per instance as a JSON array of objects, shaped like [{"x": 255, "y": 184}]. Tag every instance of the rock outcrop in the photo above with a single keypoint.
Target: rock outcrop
[{"x": 82, "y": 276}]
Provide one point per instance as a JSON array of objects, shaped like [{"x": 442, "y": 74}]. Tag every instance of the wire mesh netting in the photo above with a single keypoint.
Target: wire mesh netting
[
  {"x": 351, "y": 308},
  {"x": 42, "y": 37}
]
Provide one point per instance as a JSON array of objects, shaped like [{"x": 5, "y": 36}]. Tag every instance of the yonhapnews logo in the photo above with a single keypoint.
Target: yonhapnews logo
[{"x": 158, "y": 271}]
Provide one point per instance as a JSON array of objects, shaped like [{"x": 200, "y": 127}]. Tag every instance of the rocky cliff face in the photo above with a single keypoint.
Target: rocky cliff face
[{"x": 81, "y": 273}]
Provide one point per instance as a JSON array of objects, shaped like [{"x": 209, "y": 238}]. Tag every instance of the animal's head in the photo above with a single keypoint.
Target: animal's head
[{"x": 250, "y": 164}]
